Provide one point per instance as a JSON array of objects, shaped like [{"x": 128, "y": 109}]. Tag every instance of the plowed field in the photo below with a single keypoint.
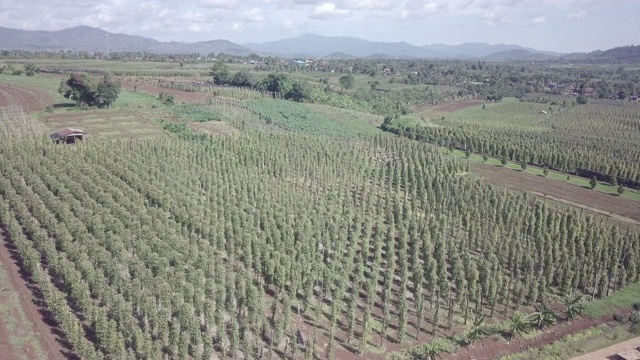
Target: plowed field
[{"x": 27, "y": 99}]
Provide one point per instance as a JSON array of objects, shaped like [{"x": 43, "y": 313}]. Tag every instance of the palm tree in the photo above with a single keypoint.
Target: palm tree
[
  {"x": 478, "y": 330},
  {"x": 574, "y": 304},
  {"x": 519, "y": 324},
  {"x": 543, "y": 316}
]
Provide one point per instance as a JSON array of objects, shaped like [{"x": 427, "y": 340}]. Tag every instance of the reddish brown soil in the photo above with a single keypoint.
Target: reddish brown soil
[
  {"x": 27, "y": 99},
  {"x": 40, "y": 320},
  {"x": 180, "y": 96},
  {"x": 596, "y": 201}
]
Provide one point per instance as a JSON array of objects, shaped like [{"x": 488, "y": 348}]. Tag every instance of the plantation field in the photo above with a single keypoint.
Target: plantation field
[
  {"x": 561, "y": 191},
  {"x": 590, "y": 140},
  {"x": 214, "y": 128},
  {"x": 215, "y": 238},
  {"x": 311, "y": 231}
]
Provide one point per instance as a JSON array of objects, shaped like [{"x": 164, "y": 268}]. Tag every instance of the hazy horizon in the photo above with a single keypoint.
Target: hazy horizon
[{"x": 549, "y": 25}]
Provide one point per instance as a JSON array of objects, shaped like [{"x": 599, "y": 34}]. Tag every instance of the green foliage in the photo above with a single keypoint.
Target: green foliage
[
  {"x": 347, "y": 81},
  {"x": 30, "y": 69},
  {"x": 299, "y": 118},
  {"x": 543, "y": 316},
  {"x": 83, "y": 91},
  {"x": 195, "y": 113},
  {"x": 167, "y": 99},
  {"x": 244, "y": 78},
  {"x": 581, "y": 99},
  {"x": 593, "y": 182},
  {"x": 620, "y": 190},
  {"x": 220, "y": 73},
  {"x": 519, "y": 324},
  {"x": 574, "y": 305}
]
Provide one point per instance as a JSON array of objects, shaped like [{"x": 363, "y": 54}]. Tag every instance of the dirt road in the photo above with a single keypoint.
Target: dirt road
[{"x": 631, "y": 346}]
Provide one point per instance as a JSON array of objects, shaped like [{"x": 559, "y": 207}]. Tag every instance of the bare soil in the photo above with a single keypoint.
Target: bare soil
[
  {"x": 605, "y": 204},
  {"x": 27, "y": 99},
  {"x": 39, "y": 320}
]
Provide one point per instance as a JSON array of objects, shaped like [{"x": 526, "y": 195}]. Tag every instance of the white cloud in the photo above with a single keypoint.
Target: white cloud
[
  {"x": 367, "y": 4},
  {"x": 219, "y": 4},
  {"x": 576, "y": 15},
  {"x": 328, "y": 11},
  {"x": 537, "y": 21},
  {"x": 288, "y": 25},
  {"x": 499, "y": 14},
  {"x": 255, "y": 15},
  {"x": 416, "y": 9}
]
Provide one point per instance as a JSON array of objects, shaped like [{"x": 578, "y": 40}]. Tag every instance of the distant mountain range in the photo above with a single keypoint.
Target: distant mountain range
[{"x": 85, "y": 38}]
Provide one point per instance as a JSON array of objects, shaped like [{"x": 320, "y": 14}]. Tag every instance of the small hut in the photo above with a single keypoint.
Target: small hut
[{"x": 67, "y": 136}]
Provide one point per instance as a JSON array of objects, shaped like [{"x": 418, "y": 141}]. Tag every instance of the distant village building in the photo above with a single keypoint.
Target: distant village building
[{"x": 67, "y": 136}]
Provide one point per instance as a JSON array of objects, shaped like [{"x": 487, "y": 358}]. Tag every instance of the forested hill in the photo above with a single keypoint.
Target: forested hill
[{"x": 623, "y": 54}]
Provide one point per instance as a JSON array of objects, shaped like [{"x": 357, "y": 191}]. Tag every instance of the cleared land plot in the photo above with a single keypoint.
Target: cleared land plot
[
  {"x": 26, "y": 331},
  {"x": 105, "y": 123},
  {"x": 26, "y": 99},
  {"x": 567, "y": 193}
]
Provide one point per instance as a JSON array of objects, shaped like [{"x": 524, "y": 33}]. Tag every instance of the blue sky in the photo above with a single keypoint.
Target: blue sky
[{"x": 554, "y": 25}]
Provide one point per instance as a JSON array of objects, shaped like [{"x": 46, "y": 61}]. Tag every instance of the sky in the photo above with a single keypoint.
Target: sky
[{"x": 551, "y": 25}]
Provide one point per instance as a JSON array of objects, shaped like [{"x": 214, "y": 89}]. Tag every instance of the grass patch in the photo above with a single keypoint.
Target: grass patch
[
  {"x": 292, "y": 116},
  {"x": 624, "y": 298},
  {"x": 195, "y": 113}
]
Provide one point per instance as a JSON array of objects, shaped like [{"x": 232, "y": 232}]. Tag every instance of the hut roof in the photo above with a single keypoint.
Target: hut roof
[{"x": 66, "y": 132}]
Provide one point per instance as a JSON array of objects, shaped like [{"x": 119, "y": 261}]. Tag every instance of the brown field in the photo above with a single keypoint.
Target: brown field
[
  {"x": 26, "y": 328},
  {"x": 27, "y": 99},
  {"x": 598, "y": 202}
]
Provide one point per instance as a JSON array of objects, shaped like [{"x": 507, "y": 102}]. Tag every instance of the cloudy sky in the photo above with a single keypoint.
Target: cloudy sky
[{"x": 555, "y": 25}]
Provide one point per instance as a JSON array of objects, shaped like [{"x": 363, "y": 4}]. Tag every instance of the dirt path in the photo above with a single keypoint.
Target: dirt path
[
  {"x": 596, "y": 201},
  {"x": 628, "y": 346},
  {"x": 39, "y": 322}
]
